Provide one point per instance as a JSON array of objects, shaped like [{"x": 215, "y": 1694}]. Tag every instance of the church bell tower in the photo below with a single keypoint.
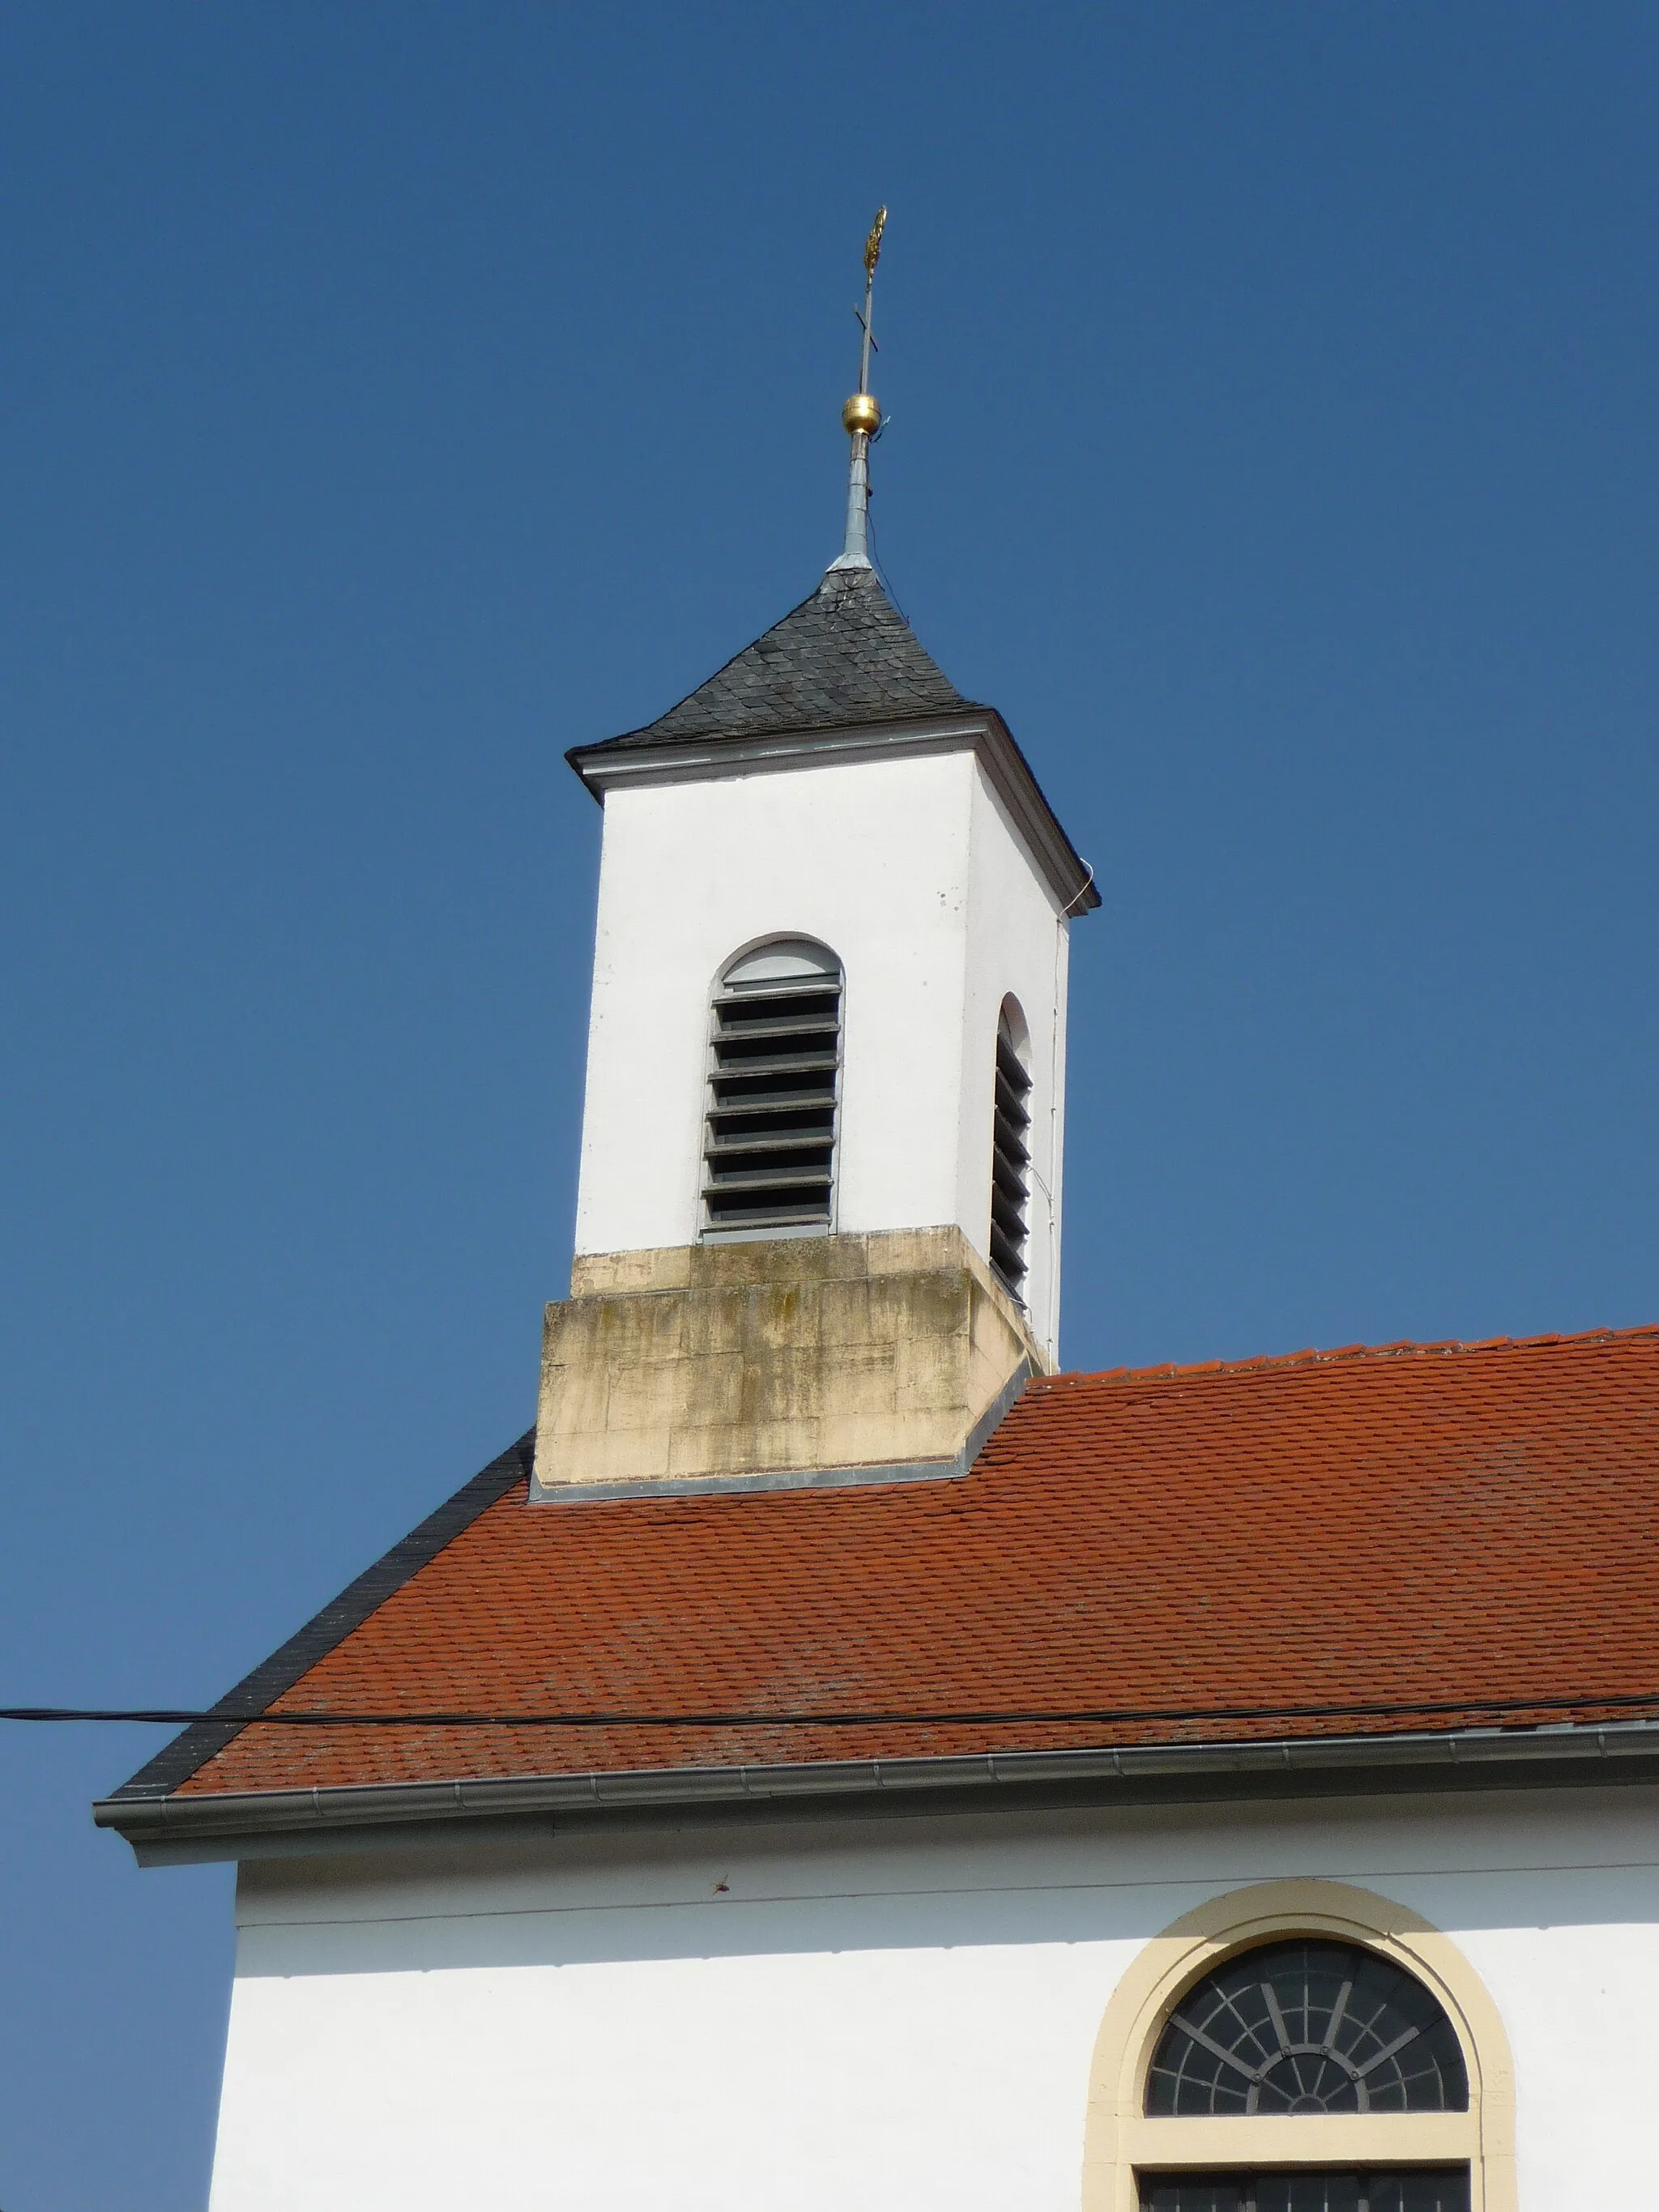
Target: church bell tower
[{"x": 818, "y": 1228}]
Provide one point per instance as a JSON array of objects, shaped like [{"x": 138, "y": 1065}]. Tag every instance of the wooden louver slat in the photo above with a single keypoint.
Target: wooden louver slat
[
  {"x": 769, "y": 1134},
  {"x": 1011, "y": 1165}
]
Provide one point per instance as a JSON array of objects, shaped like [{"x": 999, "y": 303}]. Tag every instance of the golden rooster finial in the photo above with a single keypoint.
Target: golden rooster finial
[
  {"x": 862, "y": 416},
  {"x": 873, "y": 244}
]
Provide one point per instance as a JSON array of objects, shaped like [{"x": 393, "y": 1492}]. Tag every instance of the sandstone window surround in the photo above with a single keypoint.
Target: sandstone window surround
[{"x": 1126, "y": 2142}]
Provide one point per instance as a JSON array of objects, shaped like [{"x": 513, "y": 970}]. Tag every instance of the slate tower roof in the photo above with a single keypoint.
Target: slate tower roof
[{"x": 844, "y": 656}]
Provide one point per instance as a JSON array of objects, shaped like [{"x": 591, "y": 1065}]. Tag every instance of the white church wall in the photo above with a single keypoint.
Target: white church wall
[
  {"x": 892, "y": 2014},
  {"x": 905, "y": 868}
]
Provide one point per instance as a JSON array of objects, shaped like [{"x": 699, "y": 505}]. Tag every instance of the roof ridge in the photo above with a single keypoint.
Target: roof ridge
[{"x": 1170, "y": 1371}]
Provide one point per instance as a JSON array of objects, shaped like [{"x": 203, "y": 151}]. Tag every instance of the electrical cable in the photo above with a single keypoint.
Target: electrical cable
[{"x": 174, "y": 1716}]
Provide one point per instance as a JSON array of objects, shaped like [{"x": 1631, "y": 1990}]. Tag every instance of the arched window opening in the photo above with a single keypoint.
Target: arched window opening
[
  {"x": 774, "y": 1088},
  {"x": 1300, "y": 2046},
  {"x": 1010, "y": 1155},
  {"x": 1308, "y": 2027}
]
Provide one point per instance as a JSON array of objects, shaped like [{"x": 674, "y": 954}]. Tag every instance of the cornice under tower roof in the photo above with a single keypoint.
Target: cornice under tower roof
[{"x": 843, "y": 676}]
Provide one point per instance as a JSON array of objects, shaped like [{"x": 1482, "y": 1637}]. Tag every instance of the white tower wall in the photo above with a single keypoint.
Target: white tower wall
[{"x": 909, "y": 869}]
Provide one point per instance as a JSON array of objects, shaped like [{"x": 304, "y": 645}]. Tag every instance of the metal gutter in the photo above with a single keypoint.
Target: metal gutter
[{"x": 262, "y": 1823}]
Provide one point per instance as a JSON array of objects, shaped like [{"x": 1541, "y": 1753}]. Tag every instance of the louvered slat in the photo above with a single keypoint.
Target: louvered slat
[
  {"x": 768, "y": 1145},
  {"x": 1011, "y": 1164}
]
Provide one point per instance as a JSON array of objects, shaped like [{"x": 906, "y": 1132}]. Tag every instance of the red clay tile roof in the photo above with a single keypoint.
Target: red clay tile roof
[{"x": 1426, "y": 1523}]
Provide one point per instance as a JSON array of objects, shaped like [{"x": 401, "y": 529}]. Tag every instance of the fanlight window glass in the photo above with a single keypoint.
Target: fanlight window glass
[
  {"x": 1410, "y": 2188},
  {"x": 1011, "y": 1157},
  {"x": 774, "y": 1088},
  {"x": 1308, "y": 2027}
]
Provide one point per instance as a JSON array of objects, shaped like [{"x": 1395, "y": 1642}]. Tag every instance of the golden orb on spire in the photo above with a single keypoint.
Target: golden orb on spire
[{"x": 862, "y": 412}]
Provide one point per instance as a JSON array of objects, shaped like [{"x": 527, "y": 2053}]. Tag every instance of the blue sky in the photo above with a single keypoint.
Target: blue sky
[{"x": 391, "y": 396}]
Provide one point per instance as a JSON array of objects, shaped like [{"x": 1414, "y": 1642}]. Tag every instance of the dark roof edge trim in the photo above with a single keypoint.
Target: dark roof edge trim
[
  {"x": 225, "y": 1827},
  {"x": 178, "y": 1760},
  {"x": 700, "y": 760}
]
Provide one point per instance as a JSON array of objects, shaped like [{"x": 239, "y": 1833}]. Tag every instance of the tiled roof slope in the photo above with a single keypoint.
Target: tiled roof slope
[
  {"x": 1424, "y": 1523},
  {"x": 844, "y": 656}
]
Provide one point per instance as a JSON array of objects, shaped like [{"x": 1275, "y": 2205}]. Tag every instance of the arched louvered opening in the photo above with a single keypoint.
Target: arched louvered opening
[
  {"x": 774, "y": 1086},
  {"x": 1010, "y": 1154}
]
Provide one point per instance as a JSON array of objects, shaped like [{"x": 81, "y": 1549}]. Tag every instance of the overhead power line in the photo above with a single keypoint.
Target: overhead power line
[{"x": 1035, "y": 1716}]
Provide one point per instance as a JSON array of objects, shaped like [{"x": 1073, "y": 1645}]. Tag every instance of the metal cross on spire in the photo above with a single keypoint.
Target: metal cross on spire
[{"x": 861, "y": 416}]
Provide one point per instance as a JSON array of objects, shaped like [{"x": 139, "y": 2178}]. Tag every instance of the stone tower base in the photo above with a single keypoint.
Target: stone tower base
[{"x": 791, "y": 1362}]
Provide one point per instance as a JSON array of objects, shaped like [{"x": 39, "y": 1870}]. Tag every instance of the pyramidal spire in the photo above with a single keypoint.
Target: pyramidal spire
[{"x": 861, "y": 418}]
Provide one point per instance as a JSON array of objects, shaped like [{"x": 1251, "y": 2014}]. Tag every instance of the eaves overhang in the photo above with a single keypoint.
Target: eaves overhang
[
  {"x": 610, "y": 766},
  {"x": 179, "y": 1829}
]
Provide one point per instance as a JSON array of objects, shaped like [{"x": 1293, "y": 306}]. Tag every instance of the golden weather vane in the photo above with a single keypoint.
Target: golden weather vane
[
  {"x": 873, "y": 244},
  {"x": 872, "y": 255},
  {"x": 862, "y": 416}
]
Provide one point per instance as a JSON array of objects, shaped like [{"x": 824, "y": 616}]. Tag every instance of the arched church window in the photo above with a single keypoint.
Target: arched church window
[
  {"x": 773, "y": 1092},
  {"x": 1308, "y": 2027},
  {"x": 1010, "y": 1154},
  {"x": 1314, "y": 2027}
]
